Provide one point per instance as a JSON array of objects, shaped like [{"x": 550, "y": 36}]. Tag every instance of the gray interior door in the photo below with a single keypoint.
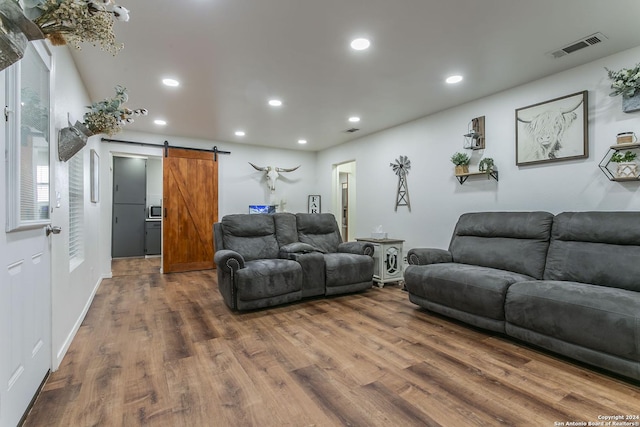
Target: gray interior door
[
  {"x": 129, "y": 207},
  {"x": 129, "y": 180},
  {"x": 128, "y": 230}
]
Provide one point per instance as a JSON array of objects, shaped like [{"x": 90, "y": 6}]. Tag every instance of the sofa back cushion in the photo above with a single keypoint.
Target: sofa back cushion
[
  {"x": 252, "y": 236},
  {"x": 512, "y": 241},
  {"x": 319, "y": 230},
  {"x": 601, "y": 248},
  {"x": 286, "y": 231}
]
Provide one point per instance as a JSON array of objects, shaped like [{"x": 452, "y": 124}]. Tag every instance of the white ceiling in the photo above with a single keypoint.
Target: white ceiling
[{"x": 231, "y": 56}]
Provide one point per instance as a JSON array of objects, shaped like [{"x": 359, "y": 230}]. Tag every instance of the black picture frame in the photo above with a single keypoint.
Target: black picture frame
[{"x": 553, "y": 130}]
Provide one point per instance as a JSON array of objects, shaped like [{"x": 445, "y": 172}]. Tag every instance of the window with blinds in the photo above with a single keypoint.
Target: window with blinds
[{"x": 76, "y": 210}]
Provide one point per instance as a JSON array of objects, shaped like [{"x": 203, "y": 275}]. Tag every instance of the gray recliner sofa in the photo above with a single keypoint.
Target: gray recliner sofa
[
  {"x": 568, "y": 283},
  {"x": 266, "y": 260}
]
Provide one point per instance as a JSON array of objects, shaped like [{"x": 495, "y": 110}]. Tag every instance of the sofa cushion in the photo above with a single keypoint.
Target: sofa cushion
[
  {"x": 596, "y": 317},
  {"x": 346, "y": 269},
  {"x": 252, "y": 236},
  {"x": 601, "y": 248},
  {"x": 267, "y": 278},
  {"x": 469, "y": 288},
  {"x": 286, "y": 231},
  {"x": 319, "y": 230},
  {"x": 512, "y": 241}
]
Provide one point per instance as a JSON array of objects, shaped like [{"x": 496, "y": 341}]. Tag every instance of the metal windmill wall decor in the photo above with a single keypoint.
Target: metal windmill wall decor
[{"x": 401, "y": 168}]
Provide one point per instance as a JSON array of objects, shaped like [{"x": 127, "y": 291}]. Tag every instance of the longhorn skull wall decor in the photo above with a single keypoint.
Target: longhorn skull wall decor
[{"x": 272, "y": 173}]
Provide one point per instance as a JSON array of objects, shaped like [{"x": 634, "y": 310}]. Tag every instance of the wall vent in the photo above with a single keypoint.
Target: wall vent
[
  {"x": 352, "y": 130},
  {"x": 577, "y": 45}
]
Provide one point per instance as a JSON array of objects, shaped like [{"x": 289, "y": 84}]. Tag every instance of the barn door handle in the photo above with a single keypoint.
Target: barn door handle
[{"x": 53, "y": 230}]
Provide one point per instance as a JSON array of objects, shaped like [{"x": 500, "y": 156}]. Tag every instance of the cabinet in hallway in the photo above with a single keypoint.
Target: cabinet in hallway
[{"x": 129, "y": 207}]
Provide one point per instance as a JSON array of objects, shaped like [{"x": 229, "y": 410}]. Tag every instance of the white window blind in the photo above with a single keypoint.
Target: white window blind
[
  {"x": 76, "y": 210},
  {"x": 42, "y": 180}
]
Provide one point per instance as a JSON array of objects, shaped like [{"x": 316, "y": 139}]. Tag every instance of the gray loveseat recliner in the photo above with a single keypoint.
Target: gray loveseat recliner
[
  {"x": 266, "y": 260},
  {"x": 568, "y": 283}
]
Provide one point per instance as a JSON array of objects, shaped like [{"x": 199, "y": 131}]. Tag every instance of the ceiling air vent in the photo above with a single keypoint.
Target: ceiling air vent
[
  {"x": 577, "y": 45},
  {"x": 352, "y": 130}
]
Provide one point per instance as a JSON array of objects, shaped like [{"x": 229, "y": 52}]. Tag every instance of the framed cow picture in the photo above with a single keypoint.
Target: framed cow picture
[{"x": 553, "y": 130}]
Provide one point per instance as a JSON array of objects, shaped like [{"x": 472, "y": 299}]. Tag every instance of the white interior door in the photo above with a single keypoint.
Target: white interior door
[{"x": 25, "y": 247}]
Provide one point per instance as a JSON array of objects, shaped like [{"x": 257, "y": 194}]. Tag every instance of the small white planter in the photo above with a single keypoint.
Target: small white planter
[{"x": 627, "y": 170}]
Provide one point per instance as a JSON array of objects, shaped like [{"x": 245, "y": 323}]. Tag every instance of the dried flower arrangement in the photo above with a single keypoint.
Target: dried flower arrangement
[
  {"x": 76, "y": 21},
  {"x": 108, "y": 116}
]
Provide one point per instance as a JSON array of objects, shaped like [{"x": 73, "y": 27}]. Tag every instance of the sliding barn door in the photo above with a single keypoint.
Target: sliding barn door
[{"x": 190, "y": 194}]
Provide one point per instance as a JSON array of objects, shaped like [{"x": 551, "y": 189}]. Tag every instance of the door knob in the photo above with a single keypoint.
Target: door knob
[{"x": 55, "y": 229}]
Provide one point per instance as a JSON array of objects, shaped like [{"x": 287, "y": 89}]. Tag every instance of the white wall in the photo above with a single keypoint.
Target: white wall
[
  {"x": 239, "y": 184},
  {"x": 437, "y": 199},
  {"x": 72, "y": 290}
]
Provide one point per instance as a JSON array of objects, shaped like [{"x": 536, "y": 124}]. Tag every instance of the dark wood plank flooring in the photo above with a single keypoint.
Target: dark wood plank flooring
[{"x": 164, "y": 350}]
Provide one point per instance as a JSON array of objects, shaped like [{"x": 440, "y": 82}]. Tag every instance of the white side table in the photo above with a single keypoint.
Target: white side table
[{"x": 387, "y": 256}]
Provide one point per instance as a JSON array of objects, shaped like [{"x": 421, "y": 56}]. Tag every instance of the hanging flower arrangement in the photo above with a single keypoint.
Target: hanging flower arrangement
[
  {"x": 76, "y": 21},
  {"x": 108, "y": 116},
  {"x": 625, "y": 82}
]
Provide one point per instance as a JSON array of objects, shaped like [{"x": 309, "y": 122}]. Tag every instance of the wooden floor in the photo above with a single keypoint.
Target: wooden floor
[{"x": 163, "y": 350}]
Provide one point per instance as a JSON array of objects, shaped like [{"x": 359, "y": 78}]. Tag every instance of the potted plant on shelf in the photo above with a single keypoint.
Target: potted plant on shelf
[
  {"x": 486, "y": 165},
  {"x": 461, "y": 160},
  {"x": 626, "y": 82},
  {"x": 627, "y": 167}
]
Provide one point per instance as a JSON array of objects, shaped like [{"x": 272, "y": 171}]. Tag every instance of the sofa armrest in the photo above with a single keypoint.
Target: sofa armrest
[
  {"x": 228, "y": 260},
  {"x": 359, "y": 248},
  {"x": 292, "y": 250},
  {"x": 425, "y": 256}
]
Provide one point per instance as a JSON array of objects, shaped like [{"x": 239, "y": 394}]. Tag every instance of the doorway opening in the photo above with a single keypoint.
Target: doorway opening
[
  {"x": 137, "y": 187},
  {"x": 344, "y": 197}
]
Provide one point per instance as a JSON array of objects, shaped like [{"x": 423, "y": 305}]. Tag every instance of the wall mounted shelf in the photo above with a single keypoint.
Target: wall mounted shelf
[
  {"x": 606, "y": 160},
  {"x": 462, "y": 177}
]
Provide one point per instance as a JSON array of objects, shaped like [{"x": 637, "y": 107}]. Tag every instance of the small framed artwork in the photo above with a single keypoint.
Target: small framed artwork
[
  {"x": 314, "y": 204},
  {"x": 553, "y": 130},
  {"x": 94, "y": 167},
  {"x": 262, "y": 209}
]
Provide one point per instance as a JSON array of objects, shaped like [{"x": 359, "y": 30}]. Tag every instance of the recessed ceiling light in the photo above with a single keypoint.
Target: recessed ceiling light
[
  {"x": 240, "y": 133},
  {"x": 302, "y": 141},
  {"x": 170, "y": 82},
  {"x": 454, "y": 79},
  {"x": 160, "y": 122},
  {"x": 275, "y": 102},
  {"x": 354, "y": 119},
  {"x": 360, "y": 44}
]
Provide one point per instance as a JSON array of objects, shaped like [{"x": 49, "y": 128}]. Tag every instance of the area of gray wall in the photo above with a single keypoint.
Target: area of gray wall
[{"x": 437, "y": 199}]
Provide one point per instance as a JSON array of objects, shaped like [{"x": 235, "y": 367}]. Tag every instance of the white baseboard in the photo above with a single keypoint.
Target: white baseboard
[{"x": 57, "y": 361}]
